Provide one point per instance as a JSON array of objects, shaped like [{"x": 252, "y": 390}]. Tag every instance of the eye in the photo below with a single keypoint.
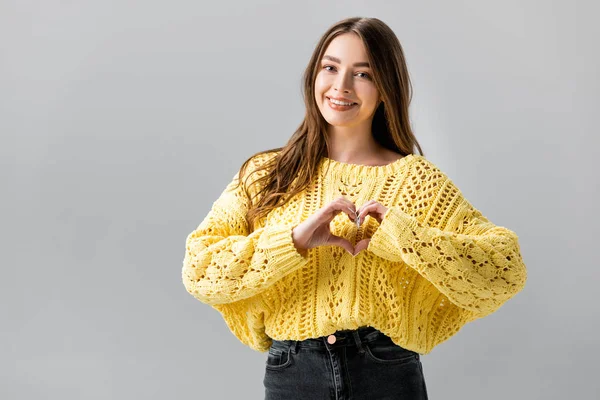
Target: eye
[{"x": 367, "y": 76}]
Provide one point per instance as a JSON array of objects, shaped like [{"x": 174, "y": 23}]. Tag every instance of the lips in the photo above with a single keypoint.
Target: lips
[
  {"x": 338, "y": 108},
  {"x": 345, "y": 100}
]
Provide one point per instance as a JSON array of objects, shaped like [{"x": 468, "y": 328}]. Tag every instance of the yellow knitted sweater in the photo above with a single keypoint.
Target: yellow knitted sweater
[{"x": 434, "y": 263}]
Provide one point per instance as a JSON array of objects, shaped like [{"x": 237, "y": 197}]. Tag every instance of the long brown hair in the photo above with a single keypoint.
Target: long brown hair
[{"x": 298, "y": 160}]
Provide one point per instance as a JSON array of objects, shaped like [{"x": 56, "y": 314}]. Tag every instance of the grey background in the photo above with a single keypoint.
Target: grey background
[{"x": 121, "y": 121}]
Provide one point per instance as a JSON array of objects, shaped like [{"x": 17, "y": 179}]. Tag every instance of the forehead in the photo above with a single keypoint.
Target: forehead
[{"x": 348, "y": 48}]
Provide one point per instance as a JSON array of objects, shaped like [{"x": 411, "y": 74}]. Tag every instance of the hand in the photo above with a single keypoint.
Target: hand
[
  {"x": 373, "y": 209},
  {"x": 315, "y": 230}
]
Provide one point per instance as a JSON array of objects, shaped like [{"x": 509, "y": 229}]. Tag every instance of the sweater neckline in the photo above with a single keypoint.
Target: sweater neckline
[{"x": 378, "y": 170}]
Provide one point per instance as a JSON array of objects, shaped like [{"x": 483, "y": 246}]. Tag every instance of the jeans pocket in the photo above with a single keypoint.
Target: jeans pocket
[
  {"x": 278, "y": 358},
  {"x": 387, "y": 352}
]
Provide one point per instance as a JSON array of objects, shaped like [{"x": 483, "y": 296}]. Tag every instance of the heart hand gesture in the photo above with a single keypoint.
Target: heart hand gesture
[{"x": 315, "y": 230}]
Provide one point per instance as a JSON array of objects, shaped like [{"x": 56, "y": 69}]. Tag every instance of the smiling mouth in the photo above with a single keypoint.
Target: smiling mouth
[{"x": 339, "y": 105}]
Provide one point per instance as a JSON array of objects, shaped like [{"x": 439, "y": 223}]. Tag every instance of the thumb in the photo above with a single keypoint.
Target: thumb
[
  {"x": 361, "y": 245},
  {"x": 342, "y": 242}
]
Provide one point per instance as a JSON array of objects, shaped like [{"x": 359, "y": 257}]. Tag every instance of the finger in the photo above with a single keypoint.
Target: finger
[
  {"x": 345, "y": 205},
  {"x": 330, "y": 211},
  {"x": 361, "y": 245},
  {"x": 342, "y": 242},
  {"x": 363, "y": 206},
  {"x": 351, "y": 205},
  {"x": 353, "y": 216},
  {"x": 371, "y": 210},
  {"x": 363, "y": 212}
]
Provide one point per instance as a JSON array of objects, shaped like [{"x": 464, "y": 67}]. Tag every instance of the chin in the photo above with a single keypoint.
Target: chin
[{"x": 336, "y": 122}]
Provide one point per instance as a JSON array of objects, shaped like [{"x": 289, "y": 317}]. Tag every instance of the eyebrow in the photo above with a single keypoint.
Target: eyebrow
[{"x": 337, "y": 60}]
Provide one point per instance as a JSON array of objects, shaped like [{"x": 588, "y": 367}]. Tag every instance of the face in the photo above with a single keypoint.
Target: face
[{"x": 343, "y": 73}]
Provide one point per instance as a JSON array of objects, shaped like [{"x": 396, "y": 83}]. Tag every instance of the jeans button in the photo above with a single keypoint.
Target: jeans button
[{"x": 331, "y": 339}]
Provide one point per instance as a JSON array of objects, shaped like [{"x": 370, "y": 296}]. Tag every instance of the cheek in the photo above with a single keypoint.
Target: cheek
[
  {"x": 321, "y": 84},
  {"x": 370, "y": 96}
]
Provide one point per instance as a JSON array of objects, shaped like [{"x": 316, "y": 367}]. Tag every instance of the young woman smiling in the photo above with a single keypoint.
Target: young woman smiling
[{"x": 349, "y": 256}]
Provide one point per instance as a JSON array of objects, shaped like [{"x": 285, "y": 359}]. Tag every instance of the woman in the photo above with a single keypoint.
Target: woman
[{"x": 347, "y": 256}]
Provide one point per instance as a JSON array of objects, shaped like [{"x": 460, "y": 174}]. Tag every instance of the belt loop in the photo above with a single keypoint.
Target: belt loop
[
  {"x": 358, "y": 342},
  {"x": 295, "y": 346}
]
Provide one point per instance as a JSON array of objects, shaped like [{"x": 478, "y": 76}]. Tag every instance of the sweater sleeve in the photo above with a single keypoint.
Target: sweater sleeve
[
  {"x": 474, "y": 263},
  {"x": 224, "y": 263}
]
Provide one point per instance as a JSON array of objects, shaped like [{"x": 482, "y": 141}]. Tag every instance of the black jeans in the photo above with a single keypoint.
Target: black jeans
[{"x": 361, "y": 364}]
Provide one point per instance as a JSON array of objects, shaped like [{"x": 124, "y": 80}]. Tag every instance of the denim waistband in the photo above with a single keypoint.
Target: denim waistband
[{"x": 346, "y": 337}]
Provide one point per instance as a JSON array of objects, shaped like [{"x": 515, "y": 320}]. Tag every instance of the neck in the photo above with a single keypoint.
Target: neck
[{"x": 352, "y": 144}]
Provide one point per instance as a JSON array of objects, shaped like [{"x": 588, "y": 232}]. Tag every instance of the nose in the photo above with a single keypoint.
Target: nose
[{"x": 341, "y": 83}]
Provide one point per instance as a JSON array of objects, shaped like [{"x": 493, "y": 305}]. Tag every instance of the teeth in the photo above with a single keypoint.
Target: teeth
[{"x": 340, "y": 103}]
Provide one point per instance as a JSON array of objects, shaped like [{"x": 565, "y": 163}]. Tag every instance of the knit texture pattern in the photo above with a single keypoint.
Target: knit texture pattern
[{"x": 434, "y": 263}]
